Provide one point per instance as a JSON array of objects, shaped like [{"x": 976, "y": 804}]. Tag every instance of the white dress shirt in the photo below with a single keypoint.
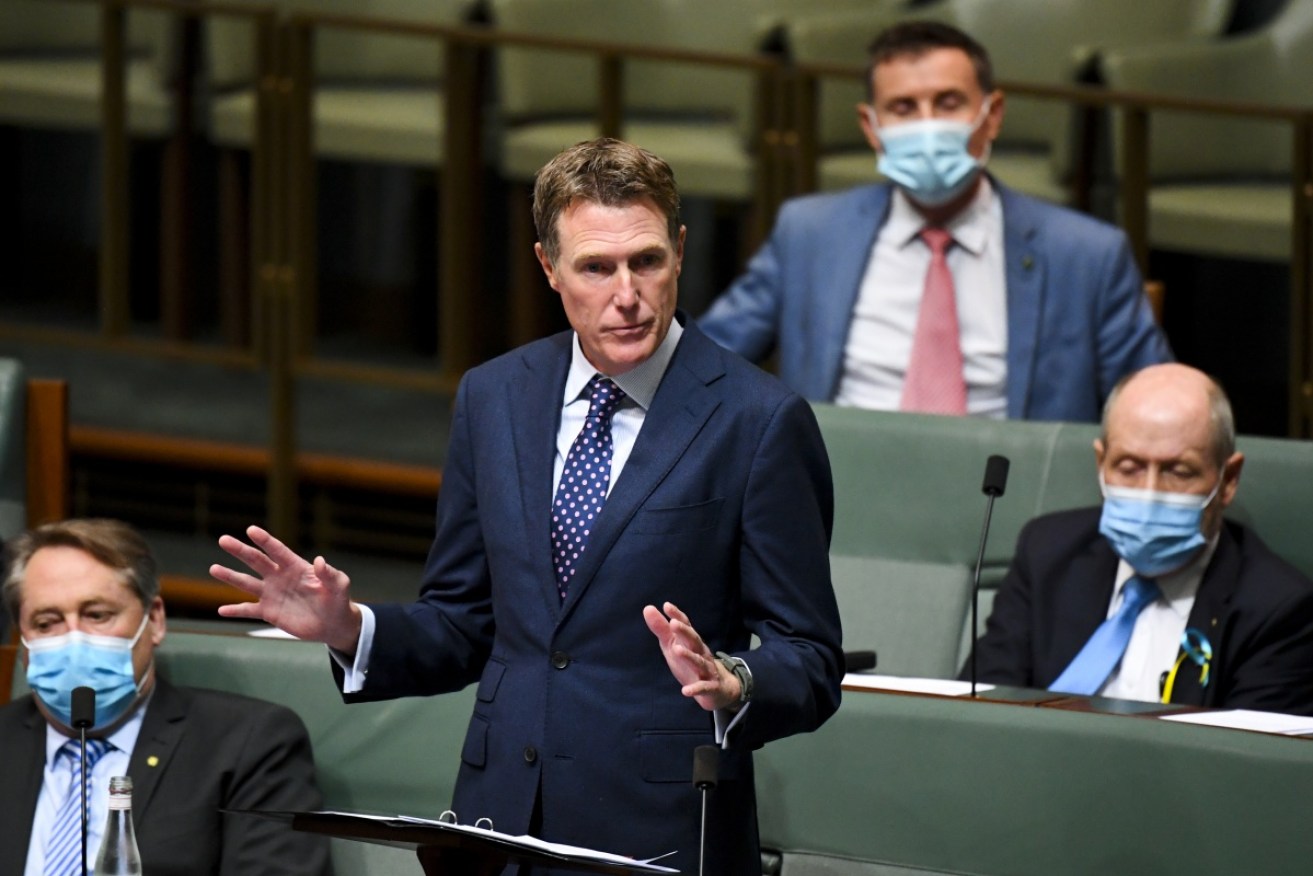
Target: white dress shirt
[
  {"x": 56, "y": 783},
  {"x": 879, "y": 343},
  {"x": 1156, "y": 639}
]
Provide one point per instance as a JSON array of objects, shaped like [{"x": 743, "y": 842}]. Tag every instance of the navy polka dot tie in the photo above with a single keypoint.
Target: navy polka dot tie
[{"x": 584, "y": 481}]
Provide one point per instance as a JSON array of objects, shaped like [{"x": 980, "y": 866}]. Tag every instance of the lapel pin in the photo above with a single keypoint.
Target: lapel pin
[
  {"x": 1028, "y": 262},
  {"x": 152, "y": 761}
]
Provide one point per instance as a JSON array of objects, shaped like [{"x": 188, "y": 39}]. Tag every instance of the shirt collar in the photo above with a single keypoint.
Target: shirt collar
[
  {"x": 969, "y": 227},
  {"x": 639, "y": 383},
  {"x": 123, "y": 739},
  {"x": 1178, "y": 588}
]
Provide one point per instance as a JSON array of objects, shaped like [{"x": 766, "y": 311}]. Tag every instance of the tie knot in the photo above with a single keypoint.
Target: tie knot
[
  {"x": 96, "y": 749},
  {"x": 937, "y": 239},
  {"x": 1139, "y": 592},
  {"x": 603, "y": 397}
]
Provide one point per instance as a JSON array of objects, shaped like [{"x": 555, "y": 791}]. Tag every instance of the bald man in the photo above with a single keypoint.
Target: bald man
[{"x": 1154, "y": 596}]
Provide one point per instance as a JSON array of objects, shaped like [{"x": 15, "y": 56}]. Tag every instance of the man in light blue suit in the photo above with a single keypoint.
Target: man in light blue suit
[
  {"x": 714, "y": 527},
  {"x": 1050, "y": 307}
]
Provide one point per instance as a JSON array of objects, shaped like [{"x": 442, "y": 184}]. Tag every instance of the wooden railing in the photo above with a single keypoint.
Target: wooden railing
[{"x": 282, "y": 198}]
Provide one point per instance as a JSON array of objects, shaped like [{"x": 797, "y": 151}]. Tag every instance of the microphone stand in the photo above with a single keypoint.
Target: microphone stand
[
  {"x": 84, "y": 716},
  {"x": 996, "y": 480},
  {"x": 706, "y": 769}
]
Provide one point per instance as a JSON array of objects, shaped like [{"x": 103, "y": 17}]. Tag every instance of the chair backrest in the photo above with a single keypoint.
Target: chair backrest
[
  {"x": 343, "y": 54},
  {"x": 13, "y": 448},
  {"x": 1269, "y": 66}
]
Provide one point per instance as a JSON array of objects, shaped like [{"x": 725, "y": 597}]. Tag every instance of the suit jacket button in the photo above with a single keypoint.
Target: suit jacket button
[
  {"x": 530, "y": 754},
  {"x": 560, "y": 659}
]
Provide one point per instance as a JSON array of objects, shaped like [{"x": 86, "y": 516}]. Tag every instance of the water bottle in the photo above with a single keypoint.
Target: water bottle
[{"x": 118, "y": 845}]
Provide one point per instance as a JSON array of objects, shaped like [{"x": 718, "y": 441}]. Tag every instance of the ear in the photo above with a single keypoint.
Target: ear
[
  {"x": 548, "y": 268},
  {"x": 993, "y": 122},
  {"x": 158, "y": 624},
  {"x": 1099, "y": 452},
  {"x": 679, "y": 250},
  {"x": 1230, "y": 479},
  {"x": 866, "y": 121}
]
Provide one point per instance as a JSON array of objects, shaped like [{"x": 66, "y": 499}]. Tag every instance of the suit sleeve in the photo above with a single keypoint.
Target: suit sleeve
[
  {"x": 273, "y": 770},
  {"x": 440, "y": 643},
  {"x": 746, "y": 317},
  {"x": 1128, "y": 337},
  {"x": 788, "y": 598}
]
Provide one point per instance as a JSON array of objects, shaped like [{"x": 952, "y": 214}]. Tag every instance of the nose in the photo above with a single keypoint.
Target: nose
[{"x": 626, "y": 289}]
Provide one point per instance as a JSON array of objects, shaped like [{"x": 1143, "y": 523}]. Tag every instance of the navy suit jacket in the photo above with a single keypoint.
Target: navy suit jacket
[
  {"x": 210, "y": 751},
  {"x": 724, "y": 508},
  {"x": 1077, "y": 316},
  {"x": 1255, "y": 609}
]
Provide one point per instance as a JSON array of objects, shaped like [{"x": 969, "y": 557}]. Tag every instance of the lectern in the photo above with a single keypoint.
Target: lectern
[{"x": 458, "y": 850}]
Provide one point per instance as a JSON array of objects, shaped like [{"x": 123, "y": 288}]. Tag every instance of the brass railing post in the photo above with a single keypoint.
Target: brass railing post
[
  {"x": 462, "y": 336},
  {"x": 1301, "y": 276},
  {"x": 1135, "y": 181}
]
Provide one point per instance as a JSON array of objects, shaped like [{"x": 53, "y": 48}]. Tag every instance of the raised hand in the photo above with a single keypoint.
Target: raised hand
[
  {"x": 690, "y": 660},
  {"x": 308, "y": 600}
]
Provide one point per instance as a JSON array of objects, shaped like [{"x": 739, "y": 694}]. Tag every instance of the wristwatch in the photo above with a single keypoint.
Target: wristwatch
[{"x": 739, "y": 667}]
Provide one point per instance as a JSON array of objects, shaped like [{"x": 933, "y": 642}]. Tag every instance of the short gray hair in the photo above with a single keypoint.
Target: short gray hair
[
  {"x": 1221, "y": 419},
  {"x": 112, "y": 542}
]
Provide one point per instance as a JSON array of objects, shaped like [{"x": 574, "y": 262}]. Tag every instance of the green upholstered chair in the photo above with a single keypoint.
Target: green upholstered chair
[
  {"x": 1031, "y": 41},
  {"x": 13, "y": 468},
  {"x": 50, "y": 71},
  {"x": 1220, "y": 185}
]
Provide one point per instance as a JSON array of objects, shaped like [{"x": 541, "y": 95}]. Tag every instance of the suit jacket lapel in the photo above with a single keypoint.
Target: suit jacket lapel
[
  {"x": 843, "y": 270},
  {"x": 1210, "y": 615},
  {"x": 1081, "y": 607},
  {"x": 161, "y": 729},
  {"x": 682, "y": 405},
  {"x": 533, "y": 408},
  {"x": 1024, "y": 276}
]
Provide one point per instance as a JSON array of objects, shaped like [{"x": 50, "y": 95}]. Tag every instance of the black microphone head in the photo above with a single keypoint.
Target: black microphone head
[
  {"x": 83, "y": 707},
  {"x": 996, "y": 476},
  {"x": 706, "y": 766}
]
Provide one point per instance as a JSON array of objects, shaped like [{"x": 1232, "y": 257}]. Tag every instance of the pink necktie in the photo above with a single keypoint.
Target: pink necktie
[{"x": 934, "y": 382}]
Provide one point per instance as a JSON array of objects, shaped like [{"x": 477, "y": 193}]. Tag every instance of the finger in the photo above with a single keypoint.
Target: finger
[
  {"x": 248, "y": 555},
  {"x": 673, "y": 612},
  {"x": 656, "y": 622},
  {"x": 330, "y": 576},
  {"x": 280, "y": 553},
  {"x": 247, "y": 610},
  {"x": 240, "y": 580}
]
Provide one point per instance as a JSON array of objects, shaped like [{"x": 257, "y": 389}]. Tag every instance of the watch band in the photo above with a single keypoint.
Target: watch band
[{"x": 739, "y": 667}]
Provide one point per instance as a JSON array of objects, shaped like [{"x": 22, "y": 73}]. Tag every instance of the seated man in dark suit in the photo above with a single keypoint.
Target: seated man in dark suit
[
  {"x": 85, "y": 598},
  {"x": 1155, "y": 596}
]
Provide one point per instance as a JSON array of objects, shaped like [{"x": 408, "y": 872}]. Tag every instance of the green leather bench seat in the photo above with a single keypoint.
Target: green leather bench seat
[{"x": 908, "y": 511}]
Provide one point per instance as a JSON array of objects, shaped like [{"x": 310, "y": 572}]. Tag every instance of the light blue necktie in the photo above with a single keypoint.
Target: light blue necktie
[
  {"x": 1091, "y": 667},
  {"x": 64, "y": 845},
  {"x": 584, "y": 482}
]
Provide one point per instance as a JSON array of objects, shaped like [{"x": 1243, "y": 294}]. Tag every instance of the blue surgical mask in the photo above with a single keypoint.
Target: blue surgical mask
[
  {"x": 1153, "y": 531},
  {"x": 928, "y": 158},
  {"x": 57, "y": 664}
]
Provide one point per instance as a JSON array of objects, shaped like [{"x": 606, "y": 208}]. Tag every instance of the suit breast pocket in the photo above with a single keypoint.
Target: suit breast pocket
[{"x": 679, "y": 518}]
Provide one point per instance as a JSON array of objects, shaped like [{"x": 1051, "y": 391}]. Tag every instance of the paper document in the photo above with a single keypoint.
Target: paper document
[
  {"x": 938, "y": 686},
  {"x": 1248, "y": 719}
]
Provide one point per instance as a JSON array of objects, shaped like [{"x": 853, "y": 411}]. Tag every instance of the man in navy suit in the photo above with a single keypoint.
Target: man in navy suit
[
  {"x": 716, "y": 511},
  {"x": 1050, "y": 310}
]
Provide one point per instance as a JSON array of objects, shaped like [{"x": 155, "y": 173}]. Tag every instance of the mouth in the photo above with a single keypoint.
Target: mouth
[{"x": 630, "y": 332}]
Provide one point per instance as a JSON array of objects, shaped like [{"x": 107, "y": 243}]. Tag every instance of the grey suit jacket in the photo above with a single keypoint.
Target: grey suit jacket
[{"x": 199, "y": 752}]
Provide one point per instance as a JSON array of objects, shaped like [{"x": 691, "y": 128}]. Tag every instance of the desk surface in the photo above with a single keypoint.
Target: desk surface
[{"x": 977, "y": 787}]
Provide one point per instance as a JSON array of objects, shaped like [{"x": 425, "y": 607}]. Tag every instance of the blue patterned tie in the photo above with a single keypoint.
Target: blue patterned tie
[
  {"x": 64, "y": 845},
  {"x": 1091, "y": 667},
  {"x": 584, "y": 481}
]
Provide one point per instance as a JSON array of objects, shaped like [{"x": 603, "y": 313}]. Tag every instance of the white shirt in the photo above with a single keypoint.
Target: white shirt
[
  {"x": 56, "y": 784},
  {"x": 1156, "y": 639},
  {"x": 879, "y": 343}
]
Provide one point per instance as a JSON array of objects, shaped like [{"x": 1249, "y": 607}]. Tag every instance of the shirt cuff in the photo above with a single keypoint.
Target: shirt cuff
[
  {"x": 727, "y": 721},
  {"x": 355, "y": 671}
]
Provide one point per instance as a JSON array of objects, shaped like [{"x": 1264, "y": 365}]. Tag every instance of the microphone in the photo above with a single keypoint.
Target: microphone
[
  {"x": 706, "y": 769},
  {"x": 996, "y": 481},
  {"x": 83, "y": 709}
]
